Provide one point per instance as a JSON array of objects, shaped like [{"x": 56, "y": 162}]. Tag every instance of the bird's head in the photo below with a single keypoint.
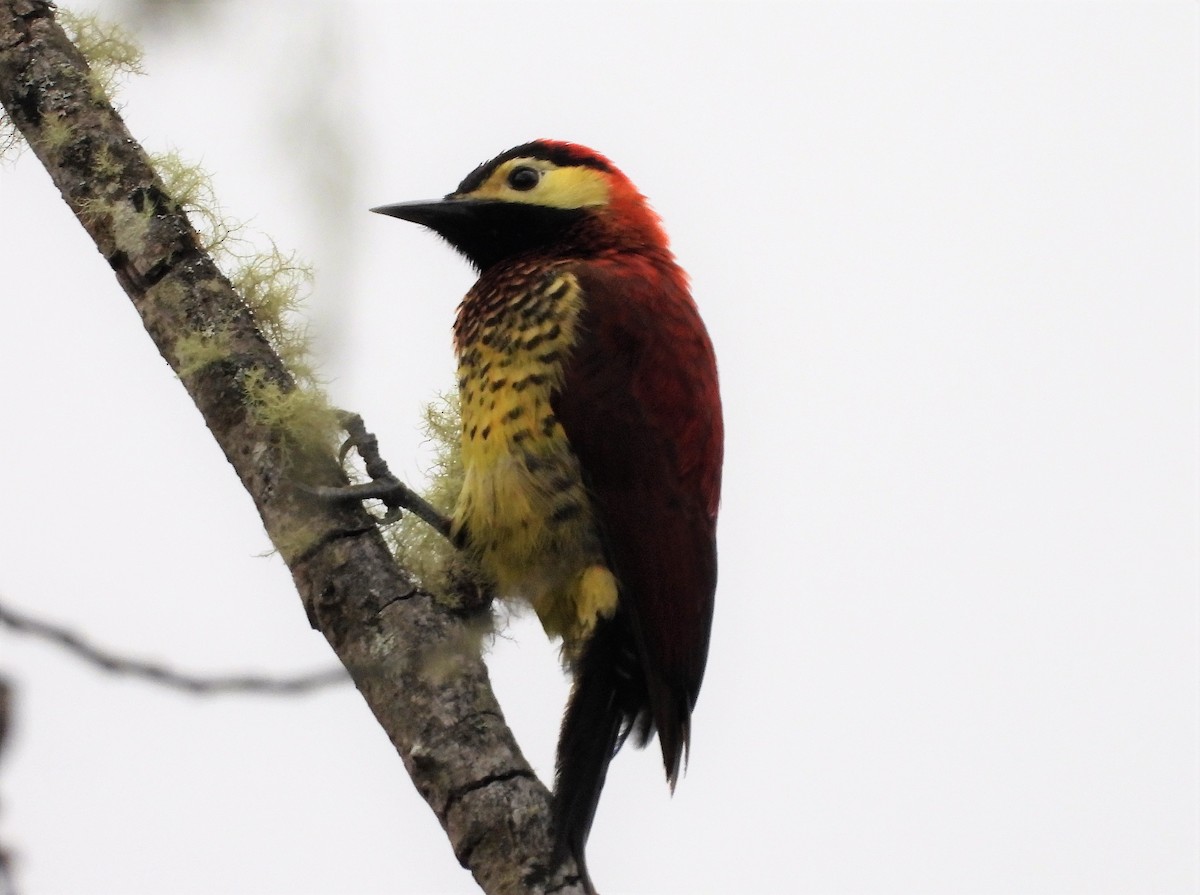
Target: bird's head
[{"x": 545, "y": 198}]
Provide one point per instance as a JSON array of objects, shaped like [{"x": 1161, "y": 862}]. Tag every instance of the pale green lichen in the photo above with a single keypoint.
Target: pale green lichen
[
  {"x": 301, "y": 415},
  {"x": 103, "y": 163},
  {"x": 172, "y": 293},
  {"x": 445, "y": 571},
  {"x": 110, "y": 51},
  {"x": 271, "y": 283},
  {"x": 56, "y": 132},
  {"x": 198, "y": 350},
  {"x": 130, "y": 226},
  {"x": 292, "y": 536},
  {"x": 446, "y": 661},
  {"x": 417, "y": 546},
  {"x": 191, "y": 190}
]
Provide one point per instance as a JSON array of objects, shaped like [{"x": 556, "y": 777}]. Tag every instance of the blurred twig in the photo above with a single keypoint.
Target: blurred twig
[
  {"x": 7, "y": 885},
  {"x": 5, "y": 710},
  {"x": 161, "y": 674}
]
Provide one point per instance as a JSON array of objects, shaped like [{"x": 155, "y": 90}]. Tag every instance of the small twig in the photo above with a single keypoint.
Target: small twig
[
  {"x": 161, "y": 674},
  {"x": 384, "y": 486},
  {"x": 8, "y": 885},
  {"x": 6, "y": 702}
]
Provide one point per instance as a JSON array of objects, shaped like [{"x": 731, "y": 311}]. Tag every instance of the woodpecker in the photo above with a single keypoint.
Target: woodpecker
[{"x": 592, "y": 442}]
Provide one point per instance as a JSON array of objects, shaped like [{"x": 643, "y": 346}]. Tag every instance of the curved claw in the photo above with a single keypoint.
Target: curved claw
[{"x": 393, "y": 515}]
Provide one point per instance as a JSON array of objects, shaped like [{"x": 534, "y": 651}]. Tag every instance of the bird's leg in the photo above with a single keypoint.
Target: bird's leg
[{"x": 396, "y": 496}]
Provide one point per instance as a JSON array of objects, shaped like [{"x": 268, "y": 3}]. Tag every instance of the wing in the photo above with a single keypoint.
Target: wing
[{"x": 641, "y": 409}]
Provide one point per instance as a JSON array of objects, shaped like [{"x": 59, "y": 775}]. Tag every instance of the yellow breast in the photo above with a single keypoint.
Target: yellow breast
[{"x": 523, "y": 506}]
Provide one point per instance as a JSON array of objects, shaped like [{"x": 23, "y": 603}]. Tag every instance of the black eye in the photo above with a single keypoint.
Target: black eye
[{"x": 524, "y": 178}]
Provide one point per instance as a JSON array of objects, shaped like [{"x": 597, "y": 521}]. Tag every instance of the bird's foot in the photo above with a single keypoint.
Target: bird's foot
[{"x": 396, "y": 496}]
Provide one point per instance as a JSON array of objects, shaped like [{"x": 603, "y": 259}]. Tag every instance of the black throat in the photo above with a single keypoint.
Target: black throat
[{"x": 492, "y": 232}]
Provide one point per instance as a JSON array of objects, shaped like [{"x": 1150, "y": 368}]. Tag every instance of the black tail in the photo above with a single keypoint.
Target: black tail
[{"x": 608, "y": 697}]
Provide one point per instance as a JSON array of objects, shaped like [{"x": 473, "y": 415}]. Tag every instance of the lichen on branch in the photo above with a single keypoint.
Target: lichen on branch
[{"x": 111, "y": 54}]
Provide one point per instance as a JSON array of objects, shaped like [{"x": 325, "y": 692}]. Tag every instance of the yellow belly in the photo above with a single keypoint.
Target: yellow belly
[{"x": 523, "y": 506}]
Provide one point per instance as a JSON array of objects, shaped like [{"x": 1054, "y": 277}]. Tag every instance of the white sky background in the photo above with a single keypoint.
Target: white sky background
[{"x": 948, "y": 255}]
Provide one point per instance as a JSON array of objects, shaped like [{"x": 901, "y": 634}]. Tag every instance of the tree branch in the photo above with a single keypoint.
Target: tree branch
[
  {"x": 414, "y": 661},
  {"x": 161, "y": 674}
]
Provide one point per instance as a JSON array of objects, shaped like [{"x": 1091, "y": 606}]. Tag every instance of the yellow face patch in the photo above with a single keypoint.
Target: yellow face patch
[{"x": 576, "y": 186}]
